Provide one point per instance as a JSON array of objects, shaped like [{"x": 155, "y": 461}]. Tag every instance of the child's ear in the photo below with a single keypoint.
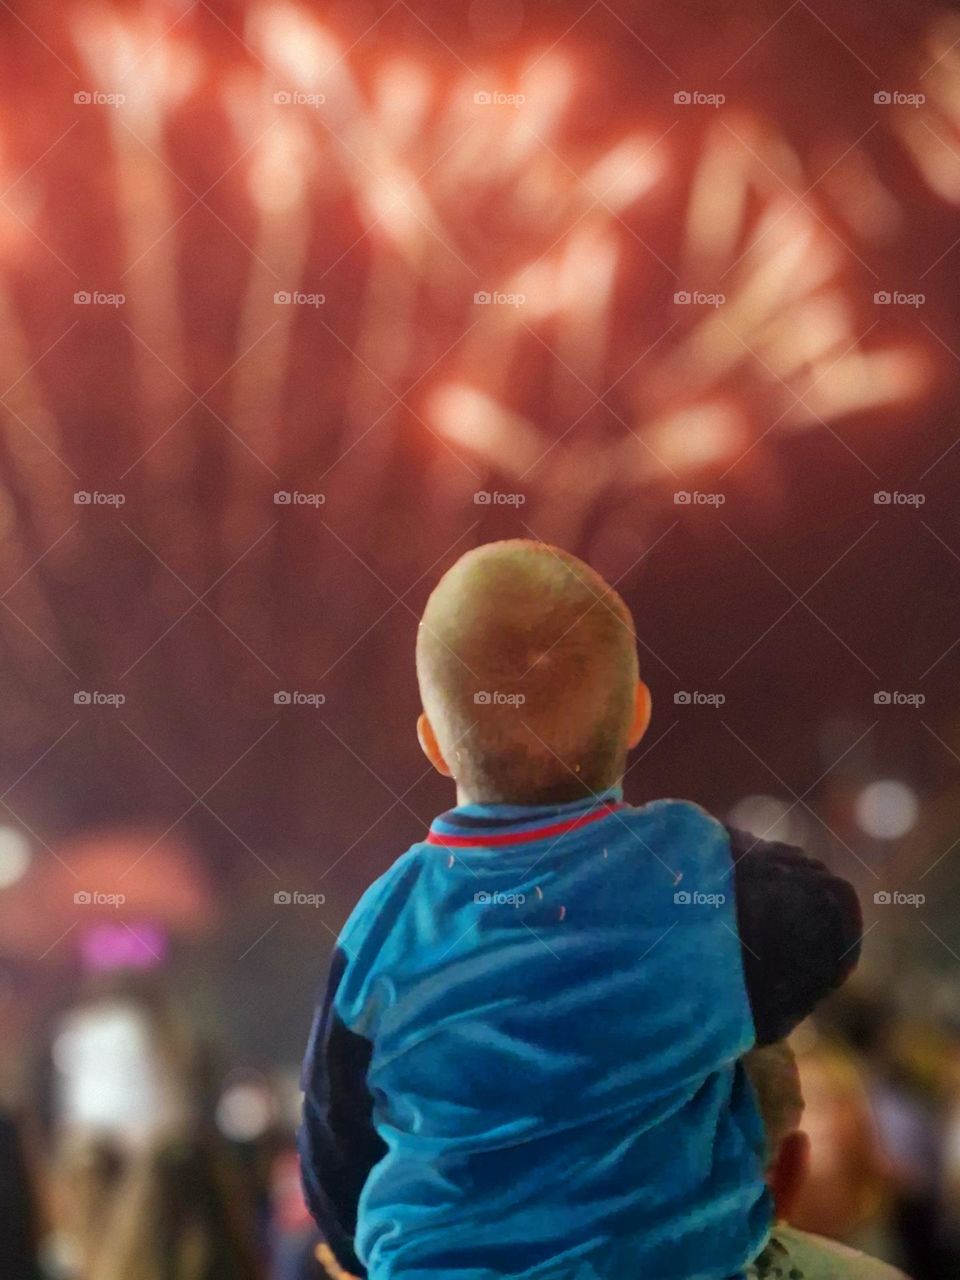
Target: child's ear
[
  {"x": 430, "y": 747},
  {"x": 642, "y": 709}
]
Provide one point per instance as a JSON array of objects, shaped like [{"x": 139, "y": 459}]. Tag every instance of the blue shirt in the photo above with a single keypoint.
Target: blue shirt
[{"x": 548, "y": 1007}]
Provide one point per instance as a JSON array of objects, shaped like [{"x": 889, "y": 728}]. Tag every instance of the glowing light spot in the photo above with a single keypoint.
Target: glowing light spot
[
  {"x": 626, "y": 172},
  {"x": 474, "y": 418},
  {"x": 14, "y": 856},
  {"x": 244, "y": 1112},
  {"x": 294, "y": 43},
  {"x": 402, "y": 94},
  {"x": 768, "y": 818},
  {"x": 887, "y": 810},
  {"x": 276, "y": 179},
  {"x": 699, "y": 436}
]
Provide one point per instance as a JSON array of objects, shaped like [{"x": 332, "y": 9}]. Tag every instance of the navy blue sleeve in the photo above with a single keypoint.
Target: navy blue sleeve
[
  {"x": 337, "y": 1140},
  {"x": 800, "y": 930}
]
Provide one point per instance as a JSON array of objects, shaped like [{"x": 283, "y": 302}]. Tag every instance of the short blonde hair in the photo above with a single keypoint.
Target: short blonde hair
[{"x": 527, "y": 666}]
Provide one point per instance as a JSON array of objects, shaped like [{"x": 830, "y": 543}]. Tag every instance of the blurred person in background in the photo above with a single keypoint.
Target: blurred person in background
[
  {"x": 791, "y": 1155},
  {"x": 908, "y": 1087},
  {"x": 18, "y": 1258},
  {"x": 177, "y": 1214},
  {"x": 86, "y": 1176},
  {"x": 144, "y": 1187},
  {"x": 126, "y": 1066},
  {"x": 849, "y": 1194},
  {"x": 903, "y": 1062},
  {"x": 949, "y": 1165}
]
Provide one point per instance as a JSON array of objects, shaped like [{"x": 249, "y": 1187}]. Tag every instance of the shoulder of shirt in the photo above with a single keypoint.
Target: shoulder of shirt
[
  {"x": 683, "y": 837},
  {"x": 807, "y": 1248},
  {"x": 379, "y": 903},
  {"x": 677, "y": 817}
]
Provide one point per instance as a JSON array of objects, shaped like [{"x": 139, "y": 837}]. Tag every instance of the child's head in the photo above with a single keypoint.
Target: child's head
[{"x": 528, "y": 675}]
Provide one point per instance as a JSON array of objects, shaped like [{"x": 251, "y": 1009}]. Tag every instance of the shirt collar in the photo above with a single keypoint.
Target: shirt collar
[{"x": 487, "y": 824}]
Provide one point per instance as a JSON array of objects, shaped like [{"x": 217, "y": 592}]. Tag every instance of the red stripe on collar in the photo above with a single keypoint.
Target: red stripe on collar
[{"x": 522, "y": 837}]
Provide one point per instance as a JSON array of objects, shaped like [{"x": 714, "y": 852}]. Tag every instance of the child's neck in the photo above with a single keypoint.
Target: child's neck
[{"x": 560, "y": 793}]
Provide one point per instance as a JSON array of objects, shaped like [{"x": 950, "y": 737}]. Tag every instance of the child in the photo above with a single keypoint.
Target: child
[{"x": 526, "y": 1063}]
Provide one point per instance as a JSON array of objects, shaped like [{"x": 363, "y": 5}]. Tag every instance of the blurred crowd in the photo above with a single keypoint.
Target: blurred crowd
[{"x": 138, "y": 1158}]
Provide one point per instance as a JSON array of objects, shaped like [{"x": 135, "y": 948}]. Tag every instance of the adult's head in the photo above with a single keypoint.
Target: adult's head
[{"x": 793, "y": 1248}]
